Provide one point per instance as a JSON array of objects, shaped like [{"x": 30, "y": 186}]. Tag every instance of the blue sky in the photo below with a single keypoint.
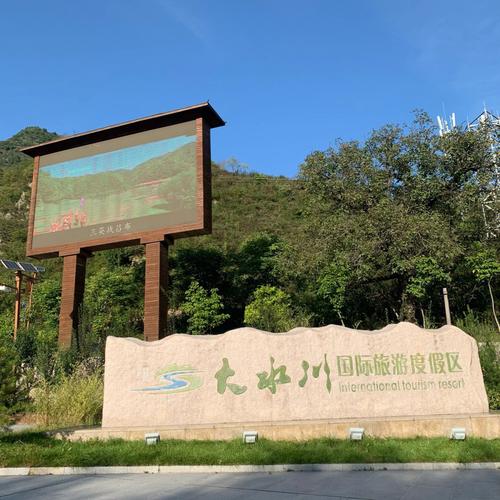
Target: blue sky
[{"x": 288, "y": 76}]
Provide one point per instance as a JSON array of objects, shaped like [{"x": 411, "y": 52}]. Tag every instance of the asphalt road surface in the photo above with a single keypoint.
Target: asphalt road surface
[{"x": 383, "y": 485}]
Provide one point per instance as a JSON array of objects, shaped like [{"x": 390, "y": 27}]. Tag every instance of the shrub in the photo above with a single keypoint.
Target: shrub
[
  {"x": 203, "y": 308},
  {"x": 72, "y": 401},
  {"x": 270, "y": 310},
  {"x": 476, "y": 326},
  {"x": 46, "y": 303},
  {"x": 8, "y": 367},
  {"x": 37, "y": 350},
  {"x": 491, "y": 373}
]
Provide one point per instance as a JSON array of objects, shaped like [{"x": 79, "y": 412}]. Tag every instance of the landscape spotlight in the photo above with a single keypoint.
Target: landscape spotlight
[
  {"x": 356, "y": 433},
  {"x": 250, "y": 437},
  {"x": 152, "y": 438},
  {"x": 458, "y": 433}
]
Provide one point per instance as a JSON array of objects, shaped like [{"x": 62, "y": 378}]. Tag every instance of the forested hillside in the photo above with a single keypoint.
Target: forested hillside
[{"x": 368, "y": 233}]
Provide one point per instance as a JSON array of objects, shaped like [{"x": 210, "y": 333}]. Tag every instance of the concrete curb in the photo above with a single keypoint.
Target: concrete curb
[{"x": 219, "y": 469}]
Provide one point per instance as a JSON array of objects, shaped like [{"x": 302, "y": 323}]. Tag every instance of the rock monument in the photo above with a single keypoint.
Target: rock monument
[{"x": 332, "y": 372}]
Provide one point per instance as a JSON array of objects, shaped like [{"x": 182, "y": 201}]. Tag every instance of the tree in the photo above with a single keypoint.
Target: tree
[
  {"x": 255, "y": 261},
  {"x": 111, "y": 307},
  {"x": 204, "y": 309},
  {"x": 46, "y": 302},
  {"x": 404, "y": 195},
  {"x": 332, "y": 285},
  {"x": 235, "y": 166},
  {"x": 270, "y": 310},
  {"x": 205, "y": 265},
  {"x": 428, "y": 273},
  {"x": 485, "y": 267}
]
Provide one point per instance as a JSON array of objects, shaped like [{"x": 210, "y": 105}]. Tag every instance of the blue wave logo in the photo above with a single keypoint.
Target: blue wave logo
[{"x": 175, "y": 379}]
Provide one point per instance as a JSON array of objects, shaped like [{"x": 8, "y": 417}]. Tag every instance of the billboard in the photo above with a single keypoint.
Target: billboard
[
  {"x": 95, "y": 193},
  {"x": 131, "y": 184}
]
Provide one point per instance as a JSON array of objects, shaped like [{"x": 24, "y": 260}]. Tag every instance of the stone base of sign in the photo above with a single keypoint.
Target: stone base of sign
[
  {"x": 324, "y": 374},
  {"x": 482, "y": 426}
]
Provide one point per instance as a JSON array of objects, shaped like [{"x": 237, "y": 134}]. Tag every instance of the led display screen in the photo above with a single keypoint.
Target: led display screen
[{"x": 132, "y": 184}]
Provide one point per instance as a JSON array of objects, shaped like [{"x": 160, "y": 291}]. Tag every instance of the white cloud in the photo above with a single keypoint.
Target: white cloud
[{"x": 190, "y": 21}]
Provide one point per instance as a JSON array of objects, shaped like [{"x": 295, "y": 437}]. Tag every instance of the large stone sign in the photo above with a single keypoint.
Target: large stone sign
[{"x": 331, "y": 372}]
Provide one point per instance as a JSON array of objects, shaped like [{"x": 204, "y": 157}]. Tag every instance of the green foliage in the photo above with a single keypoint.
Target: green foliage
[
  {"x": 9, "y": 150},
  {"x": 484, "y": 263},
  {"x": 367, "y": 232},
  {"x": 485, "y": 267},
  {"x": 332, "y": 284},
  {"x": 39, "y": 361},
  {"x": 113, "y": 306},
  {"x": 270, "y": 310},
  {"x": 246, "y": 204},
  {"x": 204, "y": 309},
  {"x": 255, "y": 262},
  {"x": 46, "y": 302},
  {"x": 427, "y": 273},
  {"x": 206, "y": 265},
  {"x": 481, "y": 329},
  {"x": 390, "y": 205},
  {"x": 8, "y": 378},
  {"x": 71, "y": 401},
  {"x": 6, "y": 326},
  {"x": 489, "y": 357}
]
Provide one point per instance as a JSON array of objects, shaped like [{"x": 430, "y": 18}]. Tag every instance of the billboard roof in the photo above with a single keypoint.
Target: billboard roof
[{"x": 203, "y": 110}]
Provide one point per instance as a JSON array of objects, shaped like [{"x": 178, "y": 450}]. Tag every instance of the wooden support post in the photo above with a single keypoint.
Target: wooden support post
[
  {"x": 17, "y": 307},
  {"x": 73, "y": 287},
  {"x": 31, "y": 283},
  {"x": 446, "y": 306},
  {"x": 155, "y": 291}
]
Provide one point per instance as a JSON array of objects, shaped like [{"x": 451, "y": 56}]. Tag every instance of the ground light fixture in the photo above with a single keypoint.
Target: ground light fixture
[
  {"x": 356, "y": 433},
  {"x": 250, "y": 437},
  {"x": 152, "y": 438},
  {"x": 458, "y": 433}
]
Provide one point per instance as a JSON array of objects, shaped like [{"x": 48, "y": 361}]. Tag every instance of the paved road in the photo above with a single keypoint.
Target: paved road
[{"x": 386, "y": 485}]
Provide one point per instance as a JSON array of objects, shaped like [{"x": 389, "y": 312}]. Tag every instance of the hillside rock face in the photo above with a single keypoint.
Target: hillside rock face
[{"x": 331, "y": 372}]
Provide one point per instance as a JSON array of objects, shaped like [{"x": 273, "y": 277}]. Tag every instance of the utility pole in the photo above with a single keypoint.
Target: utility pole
[
  {"x": 446, "y": 306},
  {"x": 17, "y": 307}
]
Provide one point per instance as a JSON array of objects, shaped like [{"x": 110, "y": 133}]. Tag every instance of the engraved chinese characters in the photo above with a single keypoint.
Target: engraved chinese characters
[{"x": 316, "y": 373}]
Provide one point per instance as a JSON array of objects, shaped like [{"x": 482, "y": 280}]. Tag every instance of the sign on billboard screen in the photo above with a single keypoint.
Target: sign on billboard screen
[{"x": 137, "y": 183}]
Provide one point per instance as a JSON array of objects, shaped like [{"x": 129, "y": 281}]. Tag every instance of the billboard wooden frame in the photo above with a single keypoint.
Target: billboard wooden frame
[
  {"x": 205, "y": 117},
  {"x": 155, "y": 241}
]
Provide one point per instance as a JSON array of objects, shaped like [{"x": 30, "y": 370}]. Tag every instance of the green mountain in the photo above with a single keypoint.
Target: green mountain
[
  {"x": 29, "y": 136},
  {"x": 243, "y": 204}
]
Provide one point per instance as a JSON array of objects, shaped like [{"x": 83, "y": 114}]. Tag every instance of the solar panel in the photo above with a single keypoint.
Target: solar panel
[
  {"x": 10, "y": 264},
  {"x": 28, "y": 267},
  {"x": 21, "y": 266}
]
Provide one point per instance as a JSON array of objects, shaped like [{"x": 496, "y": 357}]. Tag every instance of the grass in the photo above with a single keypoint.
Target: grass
[
  {"x": 38, "y": 449},
  {"x": 481, "y": 329}
]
